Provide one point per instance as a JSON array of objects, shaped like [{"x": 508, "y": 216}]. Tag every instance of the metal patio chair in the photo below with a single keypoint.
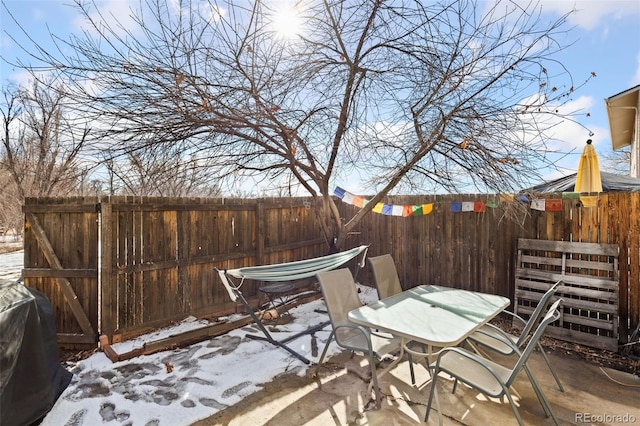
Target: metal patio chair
[
  {"x": 491, "y": 337},
  {"x": 387, "y": 281},
  {"x": 341, "y": 296},
  {"x": 489, "y": 377},
  {"x": 385, "y": 275}
]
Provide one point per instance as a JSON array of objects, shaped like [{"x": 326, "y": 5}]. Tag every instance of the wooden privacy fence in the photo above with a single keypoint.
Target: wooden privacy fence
[{"x": 121, "y": 265}]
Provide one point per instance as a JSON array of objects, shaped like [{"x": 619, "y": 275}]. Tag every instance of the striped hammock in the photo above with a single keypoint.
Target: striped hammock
[{"x": 289, "y": 271}]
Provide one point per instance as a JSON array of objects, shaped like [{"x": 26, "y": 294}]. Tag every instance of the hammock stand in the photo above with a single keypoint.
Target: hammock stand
[{"x": 286, "y": 272}]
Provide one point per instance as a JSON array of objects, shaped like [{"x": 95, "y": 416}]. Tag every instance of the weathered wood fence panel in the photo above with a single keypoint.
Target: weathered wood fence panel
[
  {"x": 163, "y": 253},
  {"x": 61, "y": 261},
  {"x": 463, "y": 249},
  {"x": 157, "y": 255}
]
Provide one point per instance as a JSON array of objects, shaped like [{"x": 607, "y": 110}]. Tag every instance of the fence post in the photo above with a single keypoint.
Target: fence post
[
  {"x": 260, "y": 232},
  {"x": 106, "y": 286},
  {"x": 183, "y": 236}
]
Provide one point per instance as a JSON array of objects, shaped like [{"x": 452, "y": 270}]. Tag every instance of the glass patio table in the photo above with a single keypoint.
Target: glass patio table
[{"x": 434, "y": 316}]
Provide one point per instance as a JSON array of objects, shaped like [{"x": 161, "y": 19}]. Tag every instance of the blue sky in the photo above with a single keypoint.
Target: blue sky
[{"x": 606, "y": 41}]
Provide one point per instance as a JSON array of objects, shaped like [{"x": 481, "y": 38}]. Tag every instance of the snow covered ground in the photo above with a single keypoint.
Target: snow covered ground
[
  {"x": 11, "y": 265},
  {"x": 181, "y": 386}
]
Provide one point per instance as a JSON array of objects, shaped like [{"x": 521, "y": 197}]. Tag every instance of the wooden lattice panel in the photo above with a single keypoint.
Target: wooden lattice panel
[{"x": 589, "y": 272}]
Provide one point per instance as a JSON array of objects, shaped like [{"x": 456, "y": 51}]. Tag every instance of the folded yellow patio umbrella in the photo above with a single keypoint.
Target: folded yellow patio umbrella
[{"x": 588, "y": 178}]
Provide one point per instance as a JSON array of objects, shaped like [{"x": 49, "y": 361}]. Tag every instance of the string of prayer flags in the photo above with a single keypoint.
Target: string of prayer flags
[
  {"x": 539, "y": 204},
  {"x": 549, "y": 205},
  {"x": 415, "y": 209},
  {"x": 382, "y": 208},
  {"x": 555, "y": 205}
]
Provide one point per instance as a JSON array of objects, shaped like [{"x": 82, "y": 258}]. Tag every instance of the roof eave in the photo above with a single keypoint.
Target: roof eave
[{"x": 621, "y": 112}]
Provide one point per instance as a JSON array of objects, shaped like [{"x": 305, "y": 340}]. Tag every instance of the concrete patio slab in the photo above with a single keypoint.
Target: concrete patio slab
[{"x": 338, "y": 396}]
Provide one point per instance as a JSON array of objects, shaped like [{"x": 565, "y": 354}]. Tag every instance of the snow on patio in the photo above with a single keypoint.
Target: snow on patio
[{"x": 180, "y": 386}]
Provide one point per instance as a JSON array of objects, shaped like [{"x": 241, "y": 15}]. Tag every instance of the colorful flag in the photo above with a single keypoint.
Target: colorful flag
[
  {"x": 348, "y": 198},
  {"x": 553, "y": 205},
  {"x": 570, "y": 195},
  {"x": 538, "y": 204},
  {"x": 589, "y": 200},
  {"x": 467, "y": 206}
]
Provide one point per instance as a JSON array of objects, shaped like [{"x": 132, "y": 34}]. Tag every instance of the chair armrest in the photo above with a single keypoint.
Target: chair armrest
[
  {"x": 515, "y": 316},
  {"x": 501, "y": 335}
]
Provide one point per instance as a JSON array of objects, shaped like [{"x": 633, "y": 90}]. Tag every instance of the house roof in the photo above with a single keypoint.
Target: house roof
[
  {"x": 610, "y": 182},
  {"x": 621, "y": 111}
]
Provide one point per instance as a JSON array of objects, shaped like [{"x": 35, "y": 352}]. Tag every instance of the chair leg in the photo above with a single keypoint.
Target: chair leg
[
  {"x": 433, "y": 394},
  {"x": 543, "y": 401},
  {"x": 374, "y": 379},
  {"x": 514, "y": 408},
  {"x": 432, "y": 390},
  {"x": 324, "y": 351},
  {"x": 553, "y": 371}
]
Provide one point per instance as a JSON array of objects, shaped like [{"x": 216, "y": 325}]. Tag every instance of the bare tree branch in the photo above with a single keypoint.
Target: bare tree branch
[{"x": 448, "y": 95}]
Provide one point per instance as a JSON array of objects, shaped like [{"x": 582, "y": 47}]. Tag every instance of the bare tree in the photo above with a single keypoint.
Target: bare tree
[
  {"x": 157, "y": 171},
  {"x": 40, "y": 146},
  {"x": 10, "y": 205},
  {"x": 417, "y": 95},
  {"x": 618, "y": 161}
]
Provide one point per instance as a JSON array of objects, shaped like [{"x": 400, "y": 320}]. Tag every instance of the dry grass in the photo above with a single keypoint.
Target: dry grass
[
  {"x": 10, "y": 247},
  {"x": 601, "y": 357}
]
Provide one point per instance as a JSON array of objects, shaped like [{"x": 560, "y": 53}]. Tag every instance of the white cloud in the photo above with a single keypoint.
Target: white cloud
[
  {"x": 116, "y": 14},
  {"x": 569, "y": 134},
  {"x": 589, "y": 13}
]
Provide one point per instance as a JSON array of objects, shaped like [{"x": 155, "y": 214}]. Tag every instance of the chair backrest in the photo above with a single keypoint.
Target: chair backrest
[
  {"x": 537, "y": 314},
  {"x": 340, "y": 296},
  {"x": 385, "y": 275},
  {"x": 552, "y": 315}
]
